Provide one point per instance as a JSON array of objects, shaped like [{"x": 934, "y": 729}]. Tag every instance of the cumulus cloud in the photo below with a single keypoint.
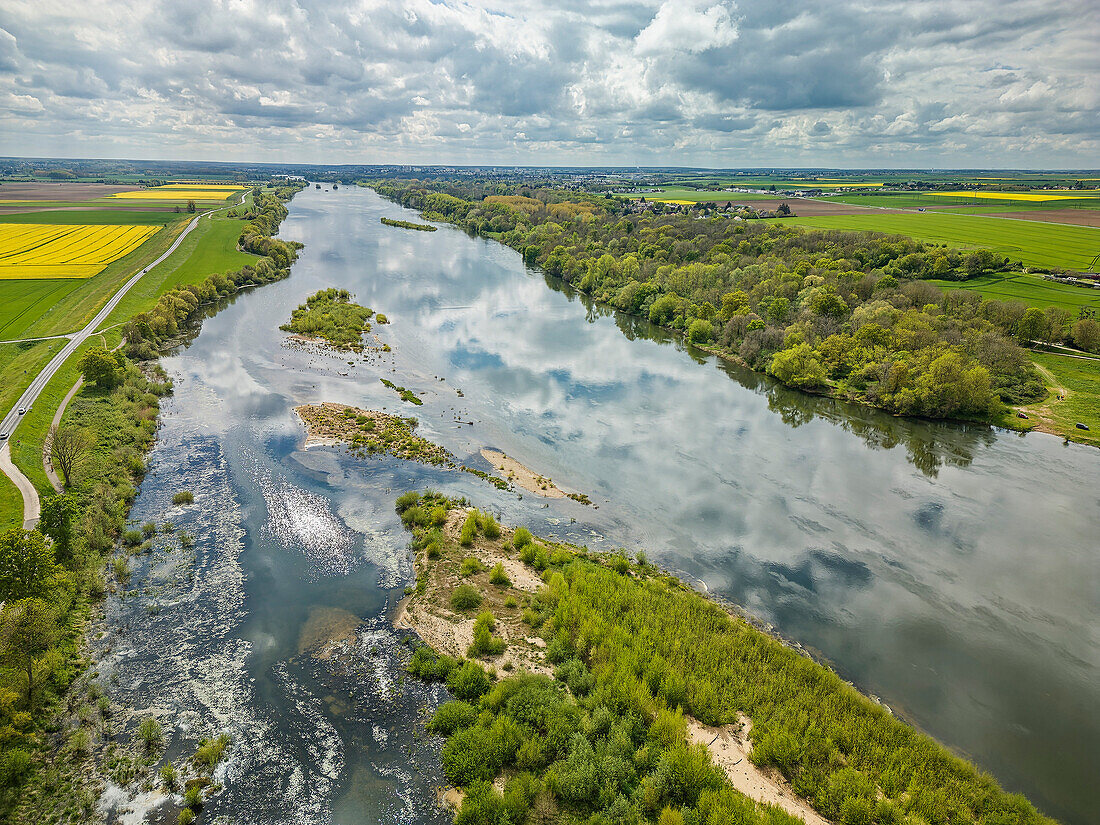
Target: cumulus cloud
[{"x": 685, "y": 82}]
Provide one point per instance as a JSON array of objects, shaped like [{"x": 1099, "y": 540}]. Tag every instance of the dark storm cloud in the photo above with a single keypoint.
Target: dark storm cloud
[{"x": 988, "y": 82}]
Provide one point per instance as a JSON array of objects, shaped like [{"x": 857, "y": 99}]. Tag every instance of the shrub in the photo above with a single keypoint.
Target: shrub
[
  {"x": 468, "y": 682},
  {"x": 186, "y": 816},
  {"x": 465, "y": 598},
  {"x": 169, "y": 776},
  {"x": 488, "y": 525},
  {"x": 426, "y": 665},
  {"x": 132, "y": 538},
  {"x": 406, "y": 500},
  {"x": 468, "y": 532},
  {"x": 15, "y": 766},
  {"x": 499, "y": 577},
  {"x": 192, "y": 798},
  {"x": 80, "y": 742},
  {"x": 149, "y": 529},
  {"x": 183, "y": 497},
  {"x": 439, "y": 516},
  {"x": 470, "y": 565},
  {"x": 485, "y": 643},
  {"x": 210, "y": 752},
  {"x": 452, "y": 716},
  {"x": 150, "y": 733},
  {"x": 511, "y": 602}
]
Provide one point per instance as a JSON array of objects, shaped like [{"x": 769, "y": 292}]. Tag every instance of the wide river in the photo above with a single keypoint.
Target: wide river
[{"x": 951, "y": 571}]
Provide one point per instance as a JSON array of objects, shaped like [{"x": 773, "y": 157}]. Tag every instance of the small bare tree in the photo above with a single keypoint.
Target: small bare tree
[{"x": 68, "y": 447}]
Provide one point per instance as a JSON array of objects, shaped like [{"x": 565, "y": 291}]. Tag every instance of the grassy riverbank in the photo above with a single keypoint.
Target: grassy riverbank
[{"x": 578, "y": 676}]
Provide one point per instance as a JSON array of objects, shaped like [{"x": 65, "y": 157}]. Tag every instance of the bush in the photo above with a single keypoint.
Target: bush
[
  {"x": 15, "y": 766},
  {"x": 468, "y": 682},
  {"x": 465, "y": 598},
  {"x": 169, "y": 776},
  {"x": 150, "y": 733},
  {"x": 149, "y": 529},
  {"x": 406, "y": 500},
  {"x": 488, "y": 525},
  {"x": 186, "y": 817},
  {"x": 426, "y": 665},
  {"x": 521, "y": 538},
  {"x": 184, "y": 497},
  {"x": 485, "y": 643},
  {"x": 452, "y": 716},
  {"x": 210, "y": 752},
  {"x": 470, "y": 565},
  {"x": 192, "y": 798},
  {"x": 499, "y": 577},
  {"x": 468, "y": 532},
  {"x": 132, "y": 538}
]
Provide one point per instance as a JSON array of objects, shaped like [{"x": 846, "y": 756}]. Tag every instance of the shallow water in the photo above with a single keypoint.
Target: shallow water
[{"x": 950, "y": 570}]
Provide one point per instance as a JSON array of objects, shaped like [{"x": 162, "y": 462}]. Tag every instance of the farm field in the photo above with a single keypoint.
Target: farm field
[
  {"x": 1080, "y": 378},
  {"x": 179, "y": 193},
  {"x": 23, "y": 300},
  {"x": 86, "y": 216},
  {"x": 45, "y": 251},
  {"x": 19, "y": 363},
  {"x": 925, "y": 200},
  {"x": 1028, "y": 289},
  {"x": 210, "y": 248},
  {"x": 1032, "y": 242}
]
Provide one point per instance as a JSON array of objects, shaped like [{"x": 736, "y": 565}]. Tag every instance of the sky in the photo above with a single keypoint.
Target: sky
[{"x": 715, "y": 83}]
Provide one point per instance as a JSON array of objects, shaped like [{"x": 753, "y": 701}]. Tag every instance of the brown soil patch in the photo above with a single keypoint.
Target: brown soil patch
[
  {"x": 1078, "y": 217},
  {"x": 36, "y": 191},
  {"x": 729, "y": 747},
  {"x": 513, "y": 472}
]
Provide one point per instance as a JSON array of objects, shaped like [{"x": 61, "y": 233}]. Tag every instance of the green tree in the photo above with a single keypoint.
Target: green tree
[
  {"x": 27, "y": 566},
  {"x": 60, "y": 513},
  {"x": 1086, "y": 334},
  {"x": 700, "y": 331},
  {"x": 68, "y": 447},
  {"x": 1032, "y": 327},
  {"x": 28, "y": 631},
  {"x": 799, "y": 366},
  {"x": 101, "y": 368}
]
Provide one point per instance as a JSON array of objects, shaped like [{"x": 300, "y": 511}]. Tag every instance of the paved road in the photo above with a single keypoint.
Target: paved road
[{"x": 31, "y": 505}]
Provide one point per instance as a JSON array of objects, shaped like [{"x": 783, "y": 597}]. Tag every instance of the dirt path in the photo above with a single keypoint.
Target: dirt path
[
  {"x": 47, "y": 461},
  {"x": 729, "y": 747},
  {"x": 32, "y": 507},
  {"x": 1042, "y": 410}
]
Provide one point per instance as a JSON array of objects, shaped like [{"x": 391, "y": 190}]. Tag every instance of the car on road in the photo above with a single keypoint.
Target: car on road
[
  {"x": 3, "y": 436},
  {"x": 22, "y": 410}
]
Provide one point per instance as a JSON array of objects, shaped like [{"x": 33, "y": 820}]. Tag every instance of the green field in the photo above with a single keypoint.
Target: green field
[
  {"x": 701, "y": 196},
  {"x": 97, "y": 216},
  {"x": 23, "y": 302},
  {"x": 210, "y": 248},
  {"x": 21, "y": 362},
  {"x": 1028, "y": 289},
  {"x": 1033, "y": 242},
  {"x": 1080, "y": 377}
]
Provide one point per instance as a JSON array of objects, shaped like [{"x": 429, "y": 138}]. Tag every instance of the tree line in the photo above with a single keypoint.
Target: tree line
[{"x": 840, "y": 313}]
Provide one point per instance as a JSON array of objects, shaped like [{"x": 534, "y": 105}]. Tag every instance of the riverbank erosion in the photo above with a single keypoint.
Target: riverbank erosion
[{"x": 594, "y": 684}]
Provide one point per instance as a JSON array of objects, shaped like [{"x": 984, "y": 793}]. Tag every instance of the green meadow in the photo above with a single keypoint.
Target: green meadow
[
  {"x": 1035, "y": 243},
  {"x": 1028, "y": 289}
]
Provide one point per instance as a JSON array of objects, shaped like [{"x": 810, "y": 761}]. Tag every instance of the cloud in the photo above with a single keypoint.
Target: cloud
[{"x": 686, "y": 82}]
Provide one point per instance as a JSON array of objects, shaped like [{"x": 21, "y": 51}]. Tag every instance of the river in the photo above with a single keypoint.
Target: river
[{"x": 950, "y": 570}]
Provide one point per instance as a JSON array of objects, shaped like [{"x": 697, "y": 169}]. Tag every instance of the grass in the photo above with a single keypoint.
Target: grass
[
  {"x": 19, "y": 363},
  {"x": 915, "y": 200},
  {"x": 22, "y": 302},
  {"x": 1032, "y": 242},
  {"x": 1080, "y": 378},
  {"x": 210, "y": 248},
  {"x": 97, "y": 216},
  {"x": 1029, "y": 289}
]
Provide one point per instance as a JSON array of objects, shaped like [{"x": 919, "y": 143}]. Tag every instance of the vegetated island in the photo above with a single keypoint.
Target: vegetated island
[
  {"x": 845, "y": 314},
  {"x": 331, "y": 316},
  {"x": 595, "y": 688},
  {"x": 370, "y": 433},
  {"x": 423, "y": 227}
]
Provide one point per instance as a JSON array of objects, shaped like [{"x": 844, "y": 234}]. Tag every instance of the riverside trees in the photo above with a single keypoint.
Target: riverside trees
[{"x": 838, "y": 312}]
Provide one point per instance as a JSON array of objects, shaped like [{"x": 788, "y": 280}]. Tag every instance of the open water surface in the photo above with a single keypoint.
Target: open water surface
[{"x": 950, "y": 570}]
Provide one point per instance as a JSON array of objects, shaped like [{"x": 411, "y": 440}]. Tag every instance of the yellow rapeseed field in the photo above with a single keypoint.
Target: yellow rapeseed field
[
  {"x": 179, "y": 193},
  {"x": 1005, "y": 196},
  {"x": 34, "y": 250}
]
